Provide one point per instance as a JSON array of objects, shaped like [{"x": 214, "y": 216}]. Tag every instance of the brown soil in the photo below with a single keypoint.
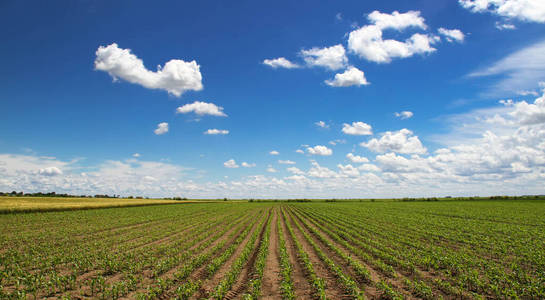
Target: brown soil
[
  {"x": 270, "y": 286},
  {"x": 332, "y": 289}
]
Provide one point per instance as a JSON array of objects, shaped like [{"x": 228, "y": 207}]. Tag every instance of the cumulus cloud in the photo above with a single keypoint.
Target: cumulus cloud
[
  {"x": 356, "y": 158},
  {"x": 162, "y": 128},
  {"x": 452, "y": 35},
  {"x": 216, "y": 131},
  {"x": 280, "y": 62},
  {"x": 274, "y": 152},
  {"x": 333, "y": 58},
  {"x": 368, "y": 43},
  {"x": 402, "y": 141},
  {"x": 231, "y": 164},
  {"x": 357, "y": 128},
  {"x": 136, "y": 155},
  {"x": 175, "y": 77},
  {"x": 295, "y": 170},
  {"x": 524, "y": 10},
  {"x": 247, "y": 165},
  {"x": 352, "y": 76},
  {"x": 319, "y": 150},
  {"x": 320, "y": 172},
  {"x": 286, "y": 162},
  {"x": 50, "y": 171},
  {"x": 321, "y": 124},
  {"x": 396, "y": 20},
  {"x": 404, "y": 114},
  {"x": 270, "y": 169},
  {"x": 348, "y": 170},
  {"x": 201, "y": 109},
  {"x": 300, "y": 151}
]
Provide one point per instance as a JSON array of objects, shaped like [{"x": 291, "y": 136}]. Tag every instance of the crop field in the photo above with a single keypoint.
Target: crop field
[{"x": 278, "y": 250}]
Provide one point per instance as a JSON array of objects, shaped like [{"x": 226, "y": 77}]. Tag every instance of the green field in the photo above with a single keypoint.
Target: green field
[{"x": 275, "y": 250}]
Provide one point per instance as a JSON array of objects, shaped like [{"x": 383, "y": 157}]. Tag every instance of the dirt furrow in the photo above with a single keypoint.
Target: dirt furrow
[
  {"x": 332, "y": 289},
  {"x": 270, "y": 288}
]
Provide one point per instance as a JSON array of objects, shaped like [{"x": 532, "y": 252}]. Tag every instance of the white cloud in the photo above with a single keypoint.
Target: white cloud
[
  {"x": 295, "y": 170},
  {"x": 352, "y": 76},
  {"x": 369, "y": 168},
  {"x": 286, "y": 162},
  {"x": 396, "y": 20},
  {"x": 357, "y": 128},
  {"x": 270, "y": 169},
  {"x": 333, "y": 58},
  {"x": 201, "y": 109},
  {"x": 367, "y": 41},
  {"x": 274, "y": 152},
  {"x": 348, "y": 170},
  {"x": 401, "y": 141},
  {"x": 505, "y": 26},
  {"x": 321, "y": 172},
  {"x": 356, "y": 158},
  {"x": 337, "y": 141},
  {"x": 525, "y": 10},
  {"x": 280, "y": 62},
  {"x": 519, "y": 71},
  {"x": 216, "y": 131},
  {"x": 530, "y": 113},
  {"x": 50, "y": 171},
  {"x": 404, "y": 114},
  {"x": 339, "y": 17},
  {"x": 175, "y": 77},
  {"x": 162, "y": 128},
  {"x": 300, "y": 151},
  {"x": 452, "y": 34},
  {"x": 231, "y": 164},
  {"x": 319, "y": 150},
  {"x": 247, "y": 165},
  {"x": 136, "y": 155},
  {"x": 321, "y": 124}
]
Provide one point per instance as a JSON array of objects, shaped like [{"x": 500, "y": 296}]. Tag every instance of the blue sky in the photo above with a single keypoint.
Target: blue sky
[{"x": 80, "y": 117}]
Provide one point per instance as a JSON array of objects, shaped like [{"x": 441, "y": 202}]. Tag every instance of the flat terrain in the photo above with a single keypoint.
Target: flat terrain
[
  {"x": 338, "y": 250},
  {"x": 18, "y": 204}
]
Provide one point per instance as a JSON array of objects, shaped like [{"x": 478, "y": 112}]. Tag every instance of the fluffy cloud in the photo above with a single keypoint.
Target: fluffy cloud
[
  {"x": 357, "y": 128},
  {"x": 319, "y": 150},
  {"x": 231, "y": 164},
  {"x": 333, "y": 58},
  {"x": 404, "y": 114},
  {"x": 348, "y": 170},
  {"x": 452, "y": 34},
  {"x": 525, "y": 10},
  {"x": 175, "y": 77},
  {"x": 286, "y": 162},
  {"x": 274, "y": 152},
  {"x": 295, "y": 171},
  {"x": 201, "y": 109},
  {"x": 519, "y": 71},
  {"x": 352, "y": 76},
  {"x": 270, "y": 169},
  {"x": 367, "y": 41},
  {"x": 396, "y": 20},
  {"x": 162, "y": 128},
  {"x": 247, "y": 165},
  {"x": 300, "y": 151},
  {"x": 321, "y": 172},
  {"x": 50, "y": 171},
  {"x": 136, "y": 155},
  {"x": 321, "y": 124},
  {"x": 280, "y": 62},
  {"x": 216, "y": 131},
  {"x": 401, "y": 141},
  {"x": 356, "y": 158}
]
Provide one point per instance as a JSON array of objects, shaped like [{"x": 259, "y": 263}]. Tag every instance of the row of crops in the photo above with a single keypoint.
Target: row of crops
[{"x": 388, "y": 250}]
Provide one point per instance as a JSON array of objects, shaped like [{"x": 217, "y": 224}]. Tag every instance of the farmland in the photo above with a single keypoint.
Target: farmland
[{"x": 275, "y": 250}]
